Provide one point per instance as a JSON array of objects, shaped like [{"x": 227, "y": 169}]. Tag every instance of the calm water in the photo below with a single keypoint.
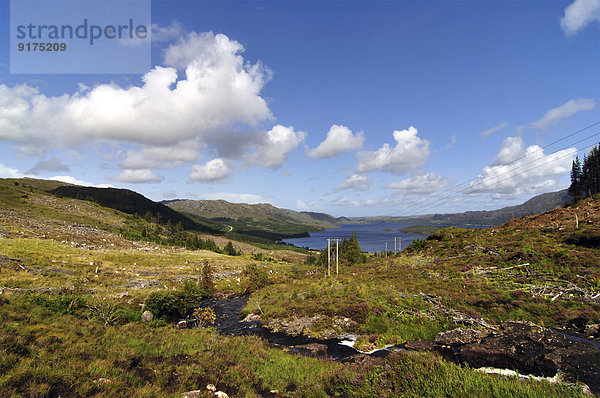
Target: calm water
[{"x": 371, "y": 236}]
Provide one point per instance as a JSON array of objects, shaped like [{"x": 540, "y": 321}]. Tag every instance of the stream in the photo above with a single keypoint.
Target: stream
[{"x": 228, "y": 322}]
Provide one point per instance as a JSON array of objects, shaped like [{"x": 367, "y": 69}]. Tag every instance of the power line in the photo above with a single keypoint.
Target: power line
[
  {"x": 406, "y": 208},
  {"x": 514, "y": 175}
]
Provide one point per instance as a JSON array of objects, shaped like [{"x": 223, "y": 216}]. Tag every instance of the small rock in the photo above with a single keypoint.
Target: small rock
[
  {"x": 593, "y": 329},
  {"x": 211, "y": 387},
  {"x": 251, "y": 318},
  {"x": 192, "y": 394},
  {"x": 181, "y": 325},
  {"x": 221, "y": 394},
  {"x": 102, "y": 380},
  {"x": 147, "y": 316}
]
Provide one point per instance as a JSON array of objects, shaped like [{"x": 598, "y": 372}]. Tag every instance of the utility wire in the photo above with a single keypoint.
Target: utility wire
[
  {"x": 513, "y": 170},
  {"x": 406, "y": 208},
  {"x": 508, "y": 178}
]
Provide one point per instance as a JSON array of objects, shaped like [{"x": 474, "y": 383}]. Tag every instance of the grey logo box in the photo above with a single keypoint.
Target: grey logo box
[{"x": 80, "y": 36}]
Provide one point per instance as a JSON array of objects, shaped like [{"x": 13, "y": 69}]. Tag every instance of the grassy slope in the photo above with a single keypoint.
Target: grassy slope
[
  {"x": 59, "y": 344},
  {"x": 540, "y": 269}
]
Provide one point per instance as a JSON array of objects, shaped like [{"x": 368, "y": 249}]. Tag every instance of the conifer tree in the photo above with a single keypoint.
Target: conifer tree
[{"x": 585, "y": 178}]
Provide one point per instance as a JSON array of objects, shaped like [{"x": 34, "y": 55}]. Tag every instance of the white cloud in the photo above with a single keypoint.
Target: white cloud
[
  {"x": 523, "y": 170},
  {"x": 233, "y": 197},
  {"x": 339, "y": 140},
  {"x": 355, "y": 181},
  {"x": 569, "y": 108},
  {"x": 75, "y": 181},
  {"x": 579, "y": 14},
  {"x": 220, "y": 90},
  {"x": 409, "y": 153},
  {"x": 275, "y": 145},
  {"x": 7, "y": 172},
  {"x": 420, "y": 184},
  {"x": 300, "y": 205},
  {"x": 492, "y": 130},
  {"x": 512, "y": 149},
  {"x": 214, "y": 170},
  {"x": 451, "y": 143},
  {"x": 159, "y": 157},
  {"x": 167, "y": 33},
  {"x": 137, "y": 176}
]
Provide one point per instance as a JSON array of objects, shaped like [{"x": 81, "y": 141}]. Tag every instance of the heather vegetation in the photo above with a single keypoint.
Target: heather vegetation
[{"x": 76, "y": 277}]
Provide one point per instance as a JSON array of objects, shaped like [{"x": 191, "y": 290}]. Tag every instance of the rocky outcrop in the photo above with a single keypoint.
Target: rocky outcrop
[
  {"x": 523, "y": 347},
  {"x": 293, "y": 326},
  {"x": 459, "y": 336}
]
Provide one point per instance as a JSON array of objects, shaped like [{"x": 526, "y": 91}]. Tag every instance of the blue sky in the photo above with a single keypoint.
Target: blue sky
[{"x": 351, "y": 108}]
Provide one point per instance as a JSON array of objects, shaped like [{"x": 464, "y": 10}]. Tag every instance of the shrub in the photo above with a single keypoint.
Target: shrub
[
  {"x": 192, "y": 294},
  {"x": 165, "y": 304},
  {"x": 205, "y": 316},
  {"x": 254, "y": 278}
]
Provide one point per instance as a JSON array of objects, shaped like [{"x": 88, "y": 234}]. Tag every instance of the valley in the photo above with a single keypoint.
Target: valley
[{"x": 77, "y": 273}]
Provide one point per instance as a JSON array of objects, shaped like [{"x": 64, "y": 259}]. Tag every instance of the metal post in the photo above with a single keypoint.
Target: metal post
[
  {"x": 328, "y": 257},
  {"x": 400, "y": 243},
  {"x": 337, "y": 257},
  {"x": 386, "y": 249}
]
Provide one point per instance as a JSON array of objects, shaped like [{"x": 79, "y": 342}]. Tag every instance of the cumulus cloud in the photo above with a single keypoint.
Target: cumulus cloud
[
  {"x": 569, "y": 108},
  {"x": 409, "y": 153},
  {"x": 355, "y": 181},
  {"x": 523, "y": 170},
  {"x": 214, "y": 170},
  {"x": 339, "y": 140},
  {"x": 52, "y": 164},
  {"x": 275, "y": 145},
  {"x": 137, "y": 176},
  {"x": 424, "y": 184},
  {"x": 160, "y": 157},
  {"x": 219, "y": 90},
  {"x": 579, "y": 14},
  {"x": 492, "y": 130}
]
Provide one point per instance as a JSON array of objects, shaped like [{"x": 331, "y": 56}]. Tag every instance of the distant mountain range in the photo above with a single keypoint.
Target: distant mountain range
[
  {"x": 266, "y": 222},
  {"x": 538, "y": 204},
  {"x": 248, "y": 217}
]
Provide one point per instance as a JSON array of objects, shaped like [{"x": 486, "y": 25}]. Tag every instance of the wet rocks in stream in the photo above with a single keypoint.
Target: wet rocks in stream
[{"x": 523, "y": 347}]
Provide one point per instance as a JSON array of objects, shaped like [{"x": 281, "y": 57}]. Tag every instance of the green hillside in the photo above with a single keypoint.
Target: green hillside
[{"x": 258, "y": 220}]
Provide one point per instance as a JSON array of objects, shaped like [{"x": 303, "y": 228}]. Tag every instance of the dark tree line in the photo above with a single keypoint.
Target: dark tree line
[{"x": 585, "y": 177}]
